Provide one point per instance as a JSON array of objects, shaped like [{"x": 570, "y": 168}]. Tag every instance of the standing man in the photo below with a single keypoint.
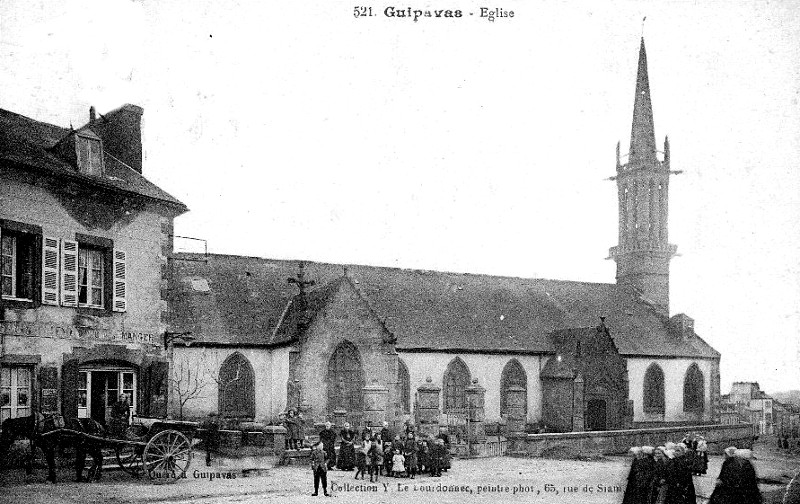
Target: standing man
[
  {"x": 120, "y": 416},
  {"x": 386, "y": 434},
  {"x": 320, "y": 469},
  {"x": 328, "y": 438},
  {"x": 211, "y": 439}
]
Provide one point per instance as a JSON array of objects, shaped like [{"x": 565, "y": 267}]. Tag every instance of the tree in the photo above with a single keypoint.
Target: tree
[{"x": 186, "y": 384}]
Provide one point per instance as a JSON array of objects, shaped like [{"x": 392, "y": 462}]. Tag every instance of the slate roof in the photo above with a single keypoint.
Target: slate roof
[
  {"x": 424, "y": 310},
  {"x": 27, "y": 142}
]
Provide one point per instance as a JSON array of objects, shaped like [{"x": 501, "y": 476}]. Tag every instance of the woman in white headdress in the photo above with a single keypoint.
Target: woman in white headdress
[
  {"x": 726, "y": 489},
  {"x": 639, "y": 478}
]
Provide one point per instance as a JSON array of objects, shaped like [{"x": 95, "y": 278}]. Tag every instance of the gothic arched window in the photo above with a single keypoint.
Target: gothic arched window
[
  {"x": 653, "y": 398},
  {"x": 236, "y": 393},
  {"x": 513, "y": 376},
  {"x": 693, "y": 389},
  {"x": 404, "y": 384},
  {"x": 456, "y": 380},
  {"x": 345, "y": 379}
]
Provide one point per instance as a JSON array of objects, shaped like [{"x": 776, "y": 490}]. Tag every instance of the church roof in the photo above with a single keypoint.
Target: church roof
[
  {"x": 247, "y": 298},
  {"x": 29, "y": 143}
]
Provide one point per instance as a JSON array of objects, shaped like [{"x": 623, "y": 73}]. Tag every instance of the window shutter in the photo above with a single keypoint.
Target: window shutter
[
  {"x": 156, "y": 393},
  {"x": 120, "y": 281},
  {"x": 69, "y": 388},
  {"x": 69, "y": 273},
  {"x": 50, "y": 270}
]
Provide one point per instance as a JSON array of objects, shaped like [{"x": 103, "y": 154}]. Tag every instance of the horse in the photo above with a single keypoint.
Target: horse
[{"x": 51, "y": 432}]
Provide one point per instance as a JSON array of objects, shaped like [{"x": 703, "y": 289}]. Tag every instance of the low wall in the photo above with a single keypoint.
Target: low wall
[{"x": 718, "y": 438}]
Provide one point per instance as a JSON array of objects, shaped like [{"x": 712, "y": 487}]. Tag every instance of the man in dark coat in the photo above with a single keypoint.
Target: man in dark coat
[
  {"x": 320, "y": 469},
  {"x": 386, "y": 433},
  {"x": 211, "y": 437},
  {"x": 328, "y": 438}
]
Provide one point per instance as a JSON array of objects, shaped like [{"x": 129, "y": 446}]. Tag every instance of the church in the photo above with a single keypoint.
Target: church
[{"x": 365, "y": 344}]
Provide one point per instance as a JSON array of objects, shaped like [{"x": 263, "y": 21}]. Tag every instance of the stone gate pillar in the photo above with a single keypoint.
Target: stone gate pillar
[
  {"x": 375, "y": 402},
  {"x": 515, "y": 409},
  {"x": 426, "y": 412},
  {"x": 475, "y": 412},
  {"x": 578, "y": 423}
]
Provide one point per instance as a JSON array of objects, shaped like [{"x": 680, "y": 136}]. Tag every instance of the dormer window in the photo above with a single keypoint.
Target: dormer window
[{"x": 90, "y": 154}]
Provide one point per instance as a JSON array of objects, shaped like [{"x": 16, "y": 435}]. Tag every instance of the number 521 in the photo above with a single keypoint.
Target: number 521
[{"x": 362, "y": 12}]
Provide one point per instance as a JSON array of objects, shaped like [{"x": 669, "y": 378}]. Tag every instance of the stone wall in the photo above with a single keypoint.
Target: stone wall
[{"x": 618, "y": 442}]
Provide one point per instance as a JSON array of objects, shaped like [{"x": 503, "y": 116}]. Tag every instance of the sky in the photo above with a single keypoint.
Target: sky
[{"x": 297, "y": 131}]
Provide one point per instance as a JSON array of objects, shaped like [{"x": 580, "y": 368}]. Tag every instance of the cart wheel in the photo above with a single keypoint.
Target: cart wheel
[
  {"x": 129, "y": 458},
  {"x": 167, "y": 456}
]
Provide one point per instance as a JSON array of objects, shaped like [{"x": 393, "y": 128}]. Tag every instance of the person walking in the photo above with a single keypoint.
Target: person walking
[{"x": 320, "y": 469}]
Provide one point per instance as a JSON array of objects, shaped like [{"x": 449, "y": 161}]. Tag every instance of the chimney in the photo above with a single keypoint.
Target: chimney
[
  {"x": 683, "y": 325},
  {"x": 92, "y": 114},
  {"x": 121, "y": 131}
]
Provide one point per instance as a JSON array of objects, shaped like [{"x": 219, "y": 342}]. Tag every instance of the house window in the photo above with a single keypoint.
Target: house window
[
  {"x": 90, "y": 277},
  {"x": 693, "y": 389},
  {"x": 83, "y": 394},
  {"x": 17, "y": 250},
  {"x": 15, "y": 392},
  {"x": 653, "y": 400},
  {"x": 90, "y": 155},
  {"x": 456, "y": 381}
]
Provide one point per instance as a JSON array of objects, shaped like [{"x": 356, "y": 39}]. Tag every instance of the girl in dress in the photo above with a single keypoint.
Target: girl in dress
[{"x": 398, "y": 464}]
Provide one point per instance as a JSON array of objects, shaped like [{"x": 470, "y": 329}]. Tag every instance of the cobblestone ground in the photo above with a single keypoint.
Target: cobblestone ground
[{"x": 480, "y": 481}]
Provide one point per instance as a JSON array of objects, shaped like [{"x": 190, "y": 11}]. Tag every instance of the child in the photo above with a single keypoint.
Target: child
[
  {"x": 375, "y": 458},
  {"x": 387, "y": 457},
  {"x": 398, "y": 464},
  {"x": 410, "y": 453},
  {"x": 361, "y": 458},
  {"x": 319, "y": 468}
]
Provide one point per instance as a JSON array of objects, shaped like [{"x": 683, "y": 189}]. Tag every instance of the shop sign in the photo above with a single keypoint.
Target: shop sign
[{"x": 55, "y": 331}]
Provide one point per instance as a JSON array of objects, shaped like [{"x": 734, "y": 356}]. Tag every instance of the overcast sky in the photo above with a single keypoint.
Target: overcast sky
[{"x": 294, "y": 130}]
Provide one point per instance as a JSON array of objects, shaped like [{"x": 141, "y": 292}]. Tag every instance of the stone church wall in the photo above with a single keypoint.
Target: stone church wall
[
  {"x": 674, "y": 374},
  {"x": 488, "y": 369}
]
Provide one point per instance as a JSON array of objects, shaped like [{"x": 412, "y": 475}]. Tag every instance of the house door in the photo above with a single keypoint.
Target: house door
[
  {"x": 596, "y": 415},
  {"x": 98, "y": 390}
]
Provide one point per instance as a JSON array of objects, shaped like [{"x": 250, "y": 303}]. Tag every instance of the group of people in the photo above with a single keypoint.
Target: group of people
[
  {"x": 294, "y": 424},
  {"x": 378, "y": 454},
  {"x": 663, "y": 475}
]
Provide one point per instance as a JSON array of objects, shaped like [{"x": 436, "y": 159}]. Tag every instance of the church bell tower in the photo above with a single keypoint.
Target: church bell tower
[{"x": 643, "y": 251}]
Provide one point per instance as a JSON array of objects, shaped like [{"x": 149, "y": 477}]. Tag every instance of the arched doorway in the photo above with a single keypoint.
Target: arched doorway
[
  {"x": 236, "y": 394},
  {"x": 344, "y": 382}
]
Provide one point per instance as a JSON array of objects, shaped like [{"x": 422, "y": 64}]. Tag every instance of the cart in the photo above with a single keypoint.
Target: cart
[
  {"x": 158, "y": 448},
  {"x": 161, "y": 449}
]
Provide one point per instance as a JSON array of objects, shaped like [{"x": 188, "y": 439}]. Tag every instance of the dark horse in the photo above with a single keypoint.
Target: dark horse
[{"x": 52, "y": 432}]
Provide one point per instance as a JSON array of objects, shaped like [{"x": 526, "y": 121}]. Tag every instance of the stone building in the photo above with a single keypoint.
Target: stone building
[
  {"x": 86, "y": 240},
  {"x": 369, "y": 343}
]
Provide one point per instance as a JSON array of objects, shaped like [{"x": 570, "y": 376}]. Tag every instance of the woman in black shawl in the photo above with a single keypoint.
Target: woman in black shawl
[
  {"x": 660, "y": 484},
  {"x": 347, "y": 453},
  {"x": 726, "y": 490},
  {"x": 682, "y": 484},
  {"x": 748, "y": 482},
  {"x": 639, "y": 478}
]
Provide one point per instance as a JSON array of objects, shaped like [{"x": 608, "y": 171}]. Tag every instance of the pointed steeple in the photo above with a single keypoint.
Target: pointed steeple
[{"x": 643, "y": 138}]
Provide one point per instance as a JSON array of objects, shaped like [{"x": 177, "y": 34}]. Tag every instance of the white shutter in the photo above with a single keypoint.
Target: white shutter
[
  {"x": 120, "y": 283},
  {"x": 49, "y": 270},
  {"x": 69, "y": 273}
]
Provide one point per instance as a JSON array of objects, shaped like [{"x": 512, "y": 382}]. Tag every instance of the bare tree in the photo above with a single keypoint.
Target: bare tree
[{"x": 186, "y": 384}]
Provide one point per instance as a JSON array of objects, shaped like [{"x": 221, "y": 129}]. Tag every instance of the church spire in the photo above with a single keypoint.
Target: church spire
[{"x": 643, "y": 138}]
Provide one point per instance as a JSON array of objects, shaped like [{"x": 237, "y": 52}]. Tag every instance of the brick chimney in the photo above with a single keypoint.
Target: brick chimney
[{"x": 121, "y": 131}]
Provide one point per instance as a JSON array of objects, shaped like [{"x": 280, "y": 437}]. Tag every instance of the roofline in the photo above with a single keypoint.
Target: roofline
[
  {"x": 227, "y": 344},
  {"x": 78, "y": 177},
  {"x": 396, "y": 268},
  {"x": 490, "y": 351},
  {"x": 684, "y": 356}
]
